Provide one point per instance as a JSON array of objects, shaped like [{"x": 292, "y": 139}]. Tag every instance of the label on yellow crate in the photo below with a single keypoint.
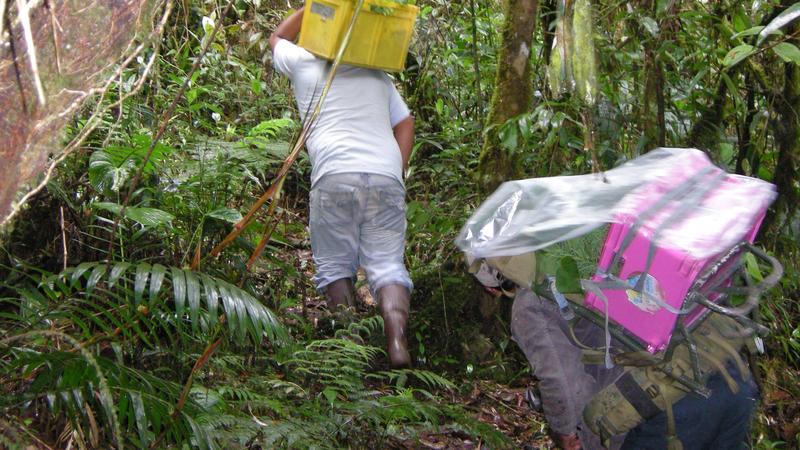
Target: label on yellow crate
[{"x": 323, "y": 10}]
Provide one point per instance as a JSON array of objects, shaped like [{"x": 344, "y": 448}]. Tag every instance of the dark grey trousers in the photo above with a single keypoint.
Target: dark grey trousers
[{"x": 566, "y": 384}]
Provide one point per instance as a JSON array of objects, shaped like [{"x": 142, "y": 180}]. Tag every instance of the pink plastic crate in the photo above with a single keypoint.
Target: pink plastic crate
[{"x": 682, "y": 250}]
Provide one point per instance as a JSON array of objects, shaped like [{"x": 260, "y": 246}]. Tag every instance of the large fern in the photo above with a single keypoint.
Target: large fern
[
  {"x": 90, "y": 390},
  {"x": 74, "y": 341},
  {"x": 138, "y": 300}
]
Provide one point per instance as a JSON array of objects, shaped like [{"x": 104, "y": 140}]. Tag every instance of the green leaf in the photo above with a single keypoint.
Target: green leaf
[
  {"x": 228, "y": 307},
  {"x": 80, "y": 270},
  {"x": 193, "y": 297},
  {"x": 142, "y": 274},
  {"x": 111, "y": 207},
  {"x": 159, "y": 272},
  {"x": 748, "y": 32},
  {"x": 731, "y": 88},
  {"x": 148, "y": 217},
  {"x": 255, "y": 85},
  {"x": 740, "y": 19},
  {"x": 726, "y": 153},
  {"x": 106, "y": 174},
  {"x": 226, "y": 214},
  {"x": 737, "y": 54},
  {"x": 208, "y": 25},
  {"x": 270, "y": 127},
  {"x": 212, "y": 298},
  {"x": 568, "y": 279},
  {"x": 179, "y": 291},
  {"x": 650, "y": 25},
  {"x": 509, "y": 136},
  {"x": 330, "y": 394},
  {"x": 191, "y": 95},
  {"x": 786, "y": 17},
  {"x": 118, "y": 270},
  {"x": 751, "y": 265},
  {"x": 788, "y": 52},
  {"x": 111, "y": 167},
  {"x": 97, "y": 274},
  {"x": 140, "y": 418}
]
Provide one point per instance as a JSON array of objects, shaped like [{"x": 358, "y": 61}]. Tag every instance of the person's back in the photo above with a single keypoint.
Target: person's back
[
  {"x": 359, "y": 146},
  {"x": 354, "y": 131}
]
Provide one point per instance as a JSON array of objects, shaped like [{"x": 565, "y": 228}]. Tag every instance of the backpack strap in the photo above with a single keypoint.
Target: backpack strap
[{"x": 673, "y": 443}]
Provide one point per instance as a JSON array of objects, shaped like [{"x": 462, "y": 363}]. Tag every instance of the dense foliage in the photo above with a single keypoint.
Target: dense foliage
[{"x": 110, "y": 340}]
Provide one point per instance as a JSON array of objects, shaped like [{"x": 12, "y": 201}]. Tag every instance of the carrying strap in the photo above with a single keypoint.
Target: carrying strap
[
  {"x": 636, "y": 396},
  {"x": 681, "y": 190},
  {"x": 593, "y": 287},
  {"x": 688, "y": 205},
  {"x": 673, "y": 443}
]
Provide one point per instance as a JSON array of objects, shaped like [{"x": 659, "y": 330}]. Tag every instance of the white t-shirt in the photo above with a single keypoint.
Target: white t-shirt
[{"x": 353, "y": 132}]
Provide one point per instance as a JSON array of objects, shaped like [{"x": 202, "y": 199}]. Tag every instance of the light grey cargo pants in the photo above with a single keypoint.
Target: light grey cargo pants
[{"x": 566, "y": 384}]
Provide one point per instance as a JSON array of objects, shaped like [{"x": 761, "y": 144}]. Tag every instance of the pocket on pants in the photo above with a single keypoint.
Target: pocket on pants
[{"x": 333, "y": 208}]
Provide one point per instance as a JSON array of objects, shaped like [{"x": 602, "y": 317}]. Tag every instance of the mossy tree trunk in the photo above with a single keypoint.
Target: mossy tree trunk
[
  {"x": 787, "y": 137},
  {"x": 512, "y": 93},
  {"x": 705, "y": 132}
]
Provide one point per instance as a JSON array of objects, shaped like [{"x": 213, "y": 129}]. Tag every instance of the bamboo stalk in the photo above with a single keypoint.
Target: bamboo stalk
[{"x": 261, "y": 245}]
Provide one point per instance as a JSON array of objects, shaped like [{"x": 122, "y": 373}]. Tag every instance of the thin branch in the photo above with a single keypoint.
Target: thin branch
[
  {"x": 25, "y": 20},
  {"x": 93, "y": 121},
  {"x": 63, "y": 237},
  {"x": 55, "y": 26},
  {"x": 187, "y": 387},
  {"x": 2, "y": 18},
  {"x": 263, "y": 243}
]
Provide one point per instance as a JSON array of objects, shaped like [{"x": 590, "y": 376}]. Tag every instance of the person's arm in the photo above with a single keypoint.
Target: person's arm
[
  {"x": 288, "y": 29},
  {"x": 404, "y": 135}
]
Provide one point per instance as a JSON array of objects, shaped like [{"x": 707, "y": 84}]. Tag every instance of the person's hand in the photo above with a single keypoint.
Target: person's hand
[
  {"x": 568, "y": 441},
  {"x": 493, "y": 291}
]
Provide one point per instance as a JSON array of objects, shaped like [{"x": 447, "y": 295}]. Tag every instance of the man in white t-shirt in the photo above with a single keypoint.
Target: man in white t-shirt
[{"x": 359, "y": 148}]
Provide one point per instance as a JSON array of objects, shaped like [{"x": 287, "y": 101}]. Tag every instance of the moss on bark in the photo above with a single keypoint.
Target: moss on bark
[{"x": 512, "y": 93}]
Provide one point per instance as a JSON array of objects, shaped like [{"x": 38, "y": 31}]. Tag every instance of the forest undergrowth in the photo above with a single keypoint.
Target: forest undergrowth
[{"x": 120, "y": 330}]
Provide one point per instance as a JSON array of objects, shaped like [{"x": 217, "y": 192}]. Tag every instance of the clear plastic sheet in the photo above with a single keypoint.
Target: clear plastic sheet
[{"x": 714, "y": 214}]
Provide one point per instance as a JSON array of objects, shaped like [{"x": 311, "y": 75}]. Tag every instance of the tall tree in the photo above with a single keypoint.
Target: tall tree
[
  {"x": 512, "y": 93},
  {"x": 787, "y": 138}
]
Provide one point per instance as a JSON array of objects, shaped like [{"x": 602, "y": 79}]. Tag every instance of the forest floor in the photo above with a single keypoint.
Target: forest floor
[{"x": 505, "y": 407}]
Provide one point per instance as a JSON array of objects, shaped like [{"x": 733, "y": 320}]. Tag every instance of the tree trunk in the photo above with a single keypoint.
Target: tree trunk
[
  {"x": 745, "y": 136},
  {"x": 787, "y": 137},
  {"x": 705, "y": 132},
  {"x": 512, "y": 94}
]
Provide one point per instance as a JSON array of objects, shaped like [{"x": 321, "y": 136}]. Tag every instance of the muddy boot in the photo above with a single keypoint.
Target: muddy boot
[
  {"x": 393, "y": 300},
  {"x": 340, "y": 294}
]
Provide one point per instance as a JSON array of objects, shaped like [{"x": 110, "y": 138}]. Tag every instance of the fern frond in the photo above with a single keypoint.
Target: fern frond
[
  {"x": 399, "y": 377},
  {"x": 196, "y": 297},
  {"x": 361, "y": 329},
  {"x": 73, "y": 383}
]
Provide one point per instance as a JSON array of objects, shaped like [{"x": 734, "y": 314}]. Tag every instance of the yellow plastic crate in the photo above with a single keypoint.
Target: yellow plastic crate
[{"x": 380, "y": 36}]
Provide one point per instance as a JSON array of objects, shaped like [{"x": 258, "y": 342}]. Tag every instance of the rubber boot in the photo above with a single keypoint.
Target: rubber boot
[
  {"x": 394, "y": 300},
  {"x": 340, "y": 294}
]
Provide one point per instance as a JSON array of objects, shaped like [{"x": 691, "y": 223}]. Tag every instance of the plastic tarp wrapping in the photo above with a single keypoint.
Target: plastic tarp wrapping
[{"x": 528, "y": 215}]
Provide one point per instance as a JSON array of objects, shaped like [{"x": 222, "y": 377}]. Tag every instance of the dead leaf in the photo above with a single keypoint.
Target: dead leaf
[{"x": 433, "y": 445}]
